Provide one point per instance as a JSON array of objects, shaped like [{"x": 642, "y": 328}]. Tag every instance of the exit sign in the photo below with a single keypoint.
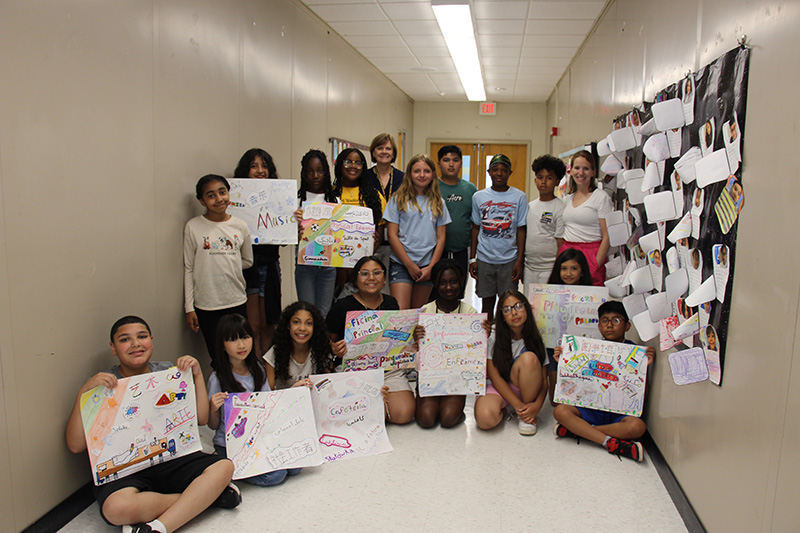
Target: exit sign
[{"x": 488, "y": 108}]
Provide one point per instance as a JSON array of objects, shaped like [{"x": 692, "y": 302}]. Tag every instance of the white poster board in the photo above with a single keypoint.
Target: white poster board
[
  {"x": 452, "y": 355},
  {"x": 267, "y": 207}
]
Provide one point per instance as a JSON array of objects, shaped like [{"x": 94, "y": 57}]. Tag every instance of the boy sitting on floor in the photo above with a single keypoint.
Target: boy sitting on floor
[
  {"x": 615, "y": 432},
  {"x": 165, "y": 496}
]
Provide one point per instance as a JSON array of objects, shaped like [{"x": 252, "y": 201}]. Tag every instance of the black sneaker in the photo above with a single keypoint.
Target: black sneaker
[
  {"x": 137, "y": 528},
  {"x": 230, "y": 497},
  {"x": 562, "y": 432},
  {"x": 625, "y": 448}
]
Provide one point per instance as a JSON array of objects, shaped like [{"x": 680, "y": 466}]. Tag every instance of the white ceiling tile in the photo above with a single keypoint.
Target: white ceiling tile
[
  {"x": 409, "y": 10},
  {"x": 375, "y": 41},
  {"x": 560, "y": 62},
  {"x": 409, "y": 77},
  {"x": 445, "y": 77},
  {"x": 348, "y": 12},
  {"x": 324, "y": 2},
  {"x": 565, "y": 10},
  {"x": 501, "y": 27},
  {"x": 549, "y": 51},
  {"x": 425, "y": 40},
  {"x": 501, "y": 10},
  {"x": 554, "y": 40},
  {"x": 437, "y": 62},
  {"x": 499, "y": 40},
  {"x": 375, "y": 27},
  {"x": 500, "y": 61},
  {"x": 395, "y": 64},
  {"x": 499, "y": 69},
  {"x": 432, "y": 51},
  {"x": 371, "y": 52},
  {"x": 559, "y": 27},
  {"x": 536, "y": 71},
  {"x": 498, "y": 51},
  {"x": 417, "y": 27}
]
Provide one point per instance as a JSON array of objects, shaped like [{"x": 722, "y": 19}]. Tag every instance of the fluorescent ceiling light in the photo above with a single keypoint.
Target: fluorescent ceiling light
[{"x": 455, "y": 21}]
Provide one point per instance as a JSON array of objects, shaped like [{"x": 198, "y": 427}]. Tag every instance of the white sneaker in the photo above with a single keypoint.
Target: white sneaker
[{"x": 527, "y": 429}]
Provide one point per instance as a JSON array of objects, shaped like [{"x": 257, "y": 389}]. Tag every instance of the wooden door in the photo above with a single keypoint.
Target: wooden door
[
  {"x": 476, "y": 158},
  {"x": 469, "y": 159}
]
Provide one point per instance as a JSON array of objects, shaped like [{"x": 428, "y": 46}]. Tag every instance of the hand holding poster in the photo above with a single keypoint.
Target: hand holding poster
[
  {"x": 144, "y": 420},
  {"x": 350, "y": 415},
  {"x": 603, "y": 375},
  {"x": 267, "y": 207},
  {"x": 452, "y": 355},
  {"x": 268, "y": 431},
  {"x": 380, "y": 339},
  {"x": 335, "y": 235},
  {"x": 566, "y": 310}
]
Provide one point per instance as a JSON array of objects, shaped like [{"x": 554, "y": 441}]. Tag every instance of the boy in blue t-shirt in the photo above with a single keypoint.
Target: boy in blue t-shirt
[
  {"x": 613, "y": 431},
  {"x": 498, "y": 235}
]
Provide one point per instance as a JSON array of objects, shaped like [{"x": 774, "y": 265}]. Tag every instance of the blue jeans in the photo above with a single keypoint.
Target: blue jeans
[
  {"x": 264, "y": 480},
  {"x": 315, "y": 285}
]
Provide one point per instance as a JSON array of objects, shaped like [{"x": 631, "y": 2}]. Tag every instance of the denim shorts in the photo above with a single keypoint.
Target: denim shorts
[{"x": 399, "y": 274}]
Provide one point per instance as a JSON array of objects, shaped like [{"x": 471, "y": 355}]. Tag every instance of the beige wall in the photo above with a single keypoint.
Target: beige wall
[
  {"x": 735, "y": 450},
  {"x": 454, "y": 121},
  {"x": 111, "y": 112}
]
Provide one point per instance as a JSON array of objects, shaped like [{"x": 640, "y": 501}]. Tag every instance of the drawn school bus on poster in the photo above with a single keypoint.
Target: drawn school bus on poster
[{"x": 153, "y": 451}]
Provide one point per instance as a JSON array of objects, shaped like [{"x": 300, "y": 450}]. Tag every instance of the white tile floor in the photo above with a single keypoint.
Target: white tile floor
[{"x": 461, "y": 479}]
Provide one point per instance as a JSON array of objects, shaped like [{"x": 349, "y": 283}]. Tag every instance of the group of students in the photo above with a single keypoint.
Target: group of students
[{"x": 232, "y": 296}]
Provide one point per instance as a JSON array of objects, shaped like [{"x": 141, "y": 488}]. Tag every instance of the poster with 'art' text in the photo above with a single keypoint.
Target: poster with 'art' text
[
  {"x": 335, "y": 235},
  {"x": 566, "y": 310},
  {"x": 380, "y": 339},
  {"x": 267, "y": 207},
  {"x": 602, "y": 375},
  {"x": 143, "y": 421},
  {"x": 452, "y": 355},
  {"x": 268, "y": 431},
  {"x": 349, "y": 411}
]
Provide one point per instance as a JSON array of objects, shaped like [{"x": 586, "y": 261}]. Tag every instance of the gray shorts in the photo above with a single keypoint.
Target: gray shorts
[{"x": 494, "y": 280}]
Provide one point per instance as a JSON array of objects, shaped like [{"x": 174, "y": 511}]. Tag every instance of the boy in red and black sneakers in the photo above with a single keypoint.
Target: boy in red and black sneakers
[{"x": 615, "y": 432}]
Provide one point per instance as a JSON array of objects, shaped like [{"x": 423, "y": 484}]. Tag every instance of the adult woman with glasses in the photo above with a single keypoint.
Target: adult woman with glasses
[{"x": 369, "y": 276}]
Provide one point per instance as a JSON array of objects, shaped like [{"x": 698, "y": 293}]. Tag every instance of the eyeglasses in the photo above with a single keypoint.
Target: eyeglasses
[
  {"x": 364, "y": 274},
  {"x": 519, "y": 306},
  {"x": 617, "y": 320},
  {"x": 352, "y": 164}
]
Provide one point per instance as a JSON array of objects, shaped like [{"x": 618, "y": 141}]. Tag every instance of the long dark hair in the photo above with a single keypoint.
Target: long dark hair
[
  {"x": 243, "y": 168},
  {"x": 230, "y": 328},
  {"x": 367, "y": 194},
  {"x": 320, "y": 342},
  {"x": 568, "y": 255},
  {"x": 502, "y": 358},
  {"x": 327, "y": 187}
]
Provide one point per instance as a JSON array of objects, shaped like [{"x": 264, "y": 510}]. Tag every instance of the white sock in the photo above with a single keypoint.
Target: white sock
[
  {"x": 156, "y": 525},
  {"x": 605, "y": 440}
]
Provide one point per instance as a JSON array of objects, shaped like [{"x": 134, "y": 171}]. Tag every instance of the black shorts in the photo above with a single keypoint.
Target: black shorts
[
  {"x": 171, "y": 477},
  {"x": 272, "y": 293}
]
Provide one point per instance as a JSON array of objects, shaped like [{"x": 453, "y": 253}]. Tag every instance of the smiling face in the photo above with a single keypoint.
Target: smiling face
[
  {"x": 515, "y": 318},
  {"x": 582, "y": 173},
  {"x": 383, "y": 154},
  {"x": 238, "y": 349},
  {"x": 421, "y": 176},
  {"x": 570, "y": 272},
  {"x": 499, "y": 174},
  {"x": 352, "y": 167},
  {"x": 258, "y": 168},
  {"x": 133, "y": 345},
  {"x": 449, "y": 285},
  {"x": 301, "y": 327},
  {"x": 370, "y": 278},
  {"x": 314, "y": 175},
  {"x": 215, "y": 199}
]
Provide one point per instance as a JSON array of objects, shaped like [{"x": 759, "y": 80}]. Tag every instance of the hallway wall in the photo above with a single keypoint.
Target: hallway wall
[
  {"x": 735, "y": 450},
  {"x": 111, "y": 112}
]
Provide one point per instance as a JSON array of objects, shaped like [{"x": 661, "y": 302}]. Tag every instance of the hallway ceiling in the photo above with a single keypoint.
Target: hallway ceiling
[{"x": 524, "y": 47}]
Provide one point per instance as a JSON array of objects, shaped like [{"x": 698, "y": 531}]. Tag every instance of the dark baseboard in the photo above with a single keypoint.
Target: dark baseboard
[
  {"x": 64, "y": 512},
  {"x": 685, "y": 509}
]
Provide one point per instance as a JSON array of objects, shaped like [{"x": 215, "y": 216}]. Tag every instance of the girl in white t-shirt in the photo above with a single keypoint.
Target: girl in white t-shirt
[
  {"x": 514, "y": 365},
  {"x": 584, "y": 215},
  {"x": 301, "y": 348}
]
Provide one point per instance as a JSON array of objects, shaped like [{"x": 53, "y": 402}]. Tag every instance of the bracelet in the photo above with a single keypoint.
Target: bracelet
[{"x": 473, "y": 260}]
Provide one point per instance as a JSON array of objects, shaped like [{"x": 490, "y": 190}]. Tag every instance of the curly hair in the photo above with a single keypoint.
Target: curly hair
[
  {"x": 230, "y": 328},
  {"x": 327, "y": 187},
  {"x": 243, "y": 168},
  {"x": 368, "y": 196},
  {"x": 502, "y": 358},
  {"x": 320, "y": 342},
  {"x": 571, "y": 254}
]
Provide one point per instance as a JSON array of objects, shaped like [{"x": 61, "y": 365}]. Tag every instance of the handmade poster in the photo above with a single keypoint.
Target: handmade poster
[
  {"x": 380, "y": 339},
  {"x": 452, "y": 355},
  {"x": 267, "y": 207},
  {"x": 729, "y": 204},
  {"x": 714, "y": 367},
  {"x": 697, "y": 211},
  {"x": 687, "y": 97},
  {"x": 688, "y": 328},
  {"x": 143, "y": 421},
  {"x": 688, "y": 366},
  {"x": 268, "y": 431},
  {"x": 566, "y": 310},
  {"x": 706, "y": 134},
  {"x": 667, "y": 325},
  {"x": 730, "y": 134},
  {"x": 348, "y": 408},
  {"x": 603, "y": 375},
  {"x": 720, "y": 253},
  {"x": 335, "y": 235}
]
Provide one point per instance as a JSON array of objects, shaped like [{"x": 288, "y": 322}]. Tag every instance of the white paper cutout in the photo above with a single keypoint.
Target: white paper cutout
[
  {"x": 721, "y": 269},
  {"x": 642, "y": 280},
  {"x": 684, "y": 255},
  {"x": 602, "y": 148},
  {"x": 687, "y": 97},
  {"x": 674, "y": 141},
  {"x": 649, "y": 242},
  {"x": 697, "y": 210},
  {"x": 615, "y": 288},
  {"x": 706, "y": 133},
  {"x": 732, "y": 136},
  {"x": 656, "y": 148},
  {"x": 634, "y": 189},
  {"x": 695, "y": 269},
  {"x": 709, "y": 338},
  {"x": 685, "y": 165},
  {"x": 683, "y": 230},
  {"x": 673, "y": 263},
  {"x": 626, "y": 274},
  {"x": 634, "y": 304},
  {"x": 648, "y": 128},
  {"x": 661, "y": 229},
  {"x": 729, "y": 204},
  {"x": 714, "y": 366},
  {"x": 658, "y": 307},
  {"x": 712, "y": 168},
  {"x": 611, "y": 165},
  {"x": 668, "y": 114},
  {"x": 705, "y": 292},
  {"x": 623, "y": 139},
  {"x": 677, "y": 284},
  {"x": 615, "y": 266},
  {"x": 688, "y": 366},
  {"x": 656, "y": 265},
  {"x": 660, "y": 206},
  {"x": 704, "y": 310},
  {"x": 652, "y": 177},
  {"x": 646, "y": 328},
  {"x": 626, "y": 175},
  {"x": 687, "y": 329}
]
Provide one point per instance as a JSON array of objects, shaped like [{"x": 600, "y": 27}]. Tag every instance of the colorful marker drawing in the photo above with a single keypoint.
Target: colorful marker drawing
[
  {"x": 335, "y": 235},
  {"x": 349, "y": 411},
  {"x": 267, "y": 207},
  {"x": 602, "y": 375},
  {"x": 143, "y": 421},
  {"x": 566, "y": 310},
  {"x": 268, "y": 431},
  {"x": 452, "y": 355},
  {"x": 380, "y": 339}
]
